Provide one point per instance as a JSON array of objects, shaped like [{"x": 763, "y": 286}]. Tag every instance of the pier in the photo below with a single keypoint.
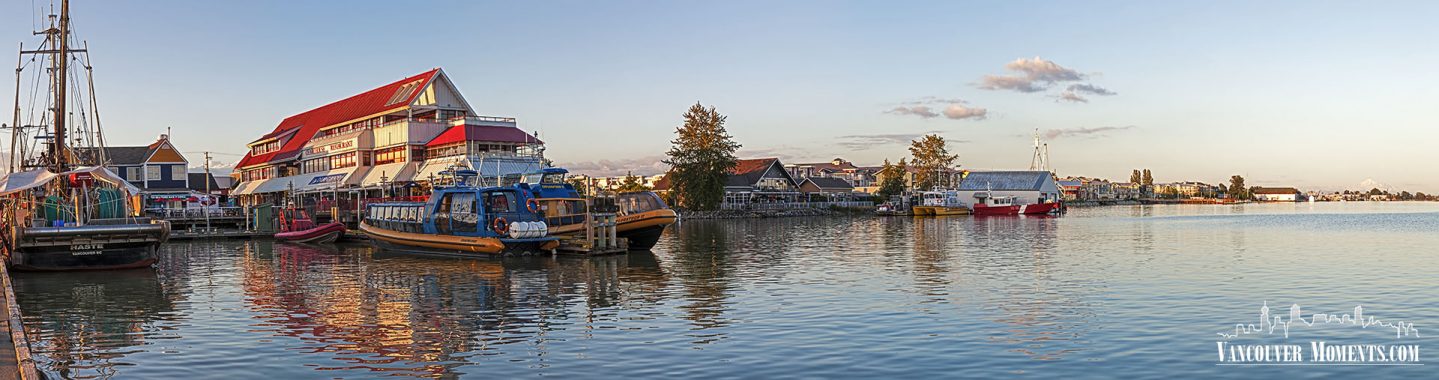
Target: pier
[{"x": 15, "y": 361}]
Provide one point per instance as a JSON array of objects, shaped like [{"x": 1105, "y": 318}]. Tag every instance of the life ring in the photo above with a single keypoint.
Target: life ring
[
  {"x": 533, "y": 205},
  {"x": 500, "y": 226}
]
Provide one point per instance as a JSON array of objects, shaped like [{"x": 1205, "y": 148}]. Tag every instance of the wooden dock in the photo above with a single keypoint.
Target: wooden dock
[
  {"x": 15, "y": 361},
  {"x": 217, "y": 234},
  {"x": 600, "y": 237}
]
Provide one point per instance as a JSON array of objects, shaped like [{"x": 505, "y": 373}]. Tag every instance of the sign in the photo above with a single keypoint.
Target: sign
[
  {"x": 327, "y": 179},
  {"x": 330, "y": 148},
  {"x": 78, "y": 179}
]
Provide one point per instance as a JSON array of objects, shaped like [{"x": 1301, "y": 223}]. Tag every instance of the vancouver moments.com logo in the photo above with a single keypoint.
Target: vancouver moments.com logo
[{"x": 1394, "y": 347}]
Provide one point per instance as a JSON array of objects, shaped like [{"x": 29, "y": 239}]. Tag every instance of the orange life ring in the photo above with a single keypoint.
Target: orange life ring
[
  {"x": 500, "y": 226},
  {"x": 533, "y": 205}
]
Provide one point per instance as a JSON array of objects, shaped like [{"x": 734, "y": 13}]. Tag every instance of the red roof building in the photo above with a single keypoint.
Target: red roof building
[{"x": 373, "y": 139}]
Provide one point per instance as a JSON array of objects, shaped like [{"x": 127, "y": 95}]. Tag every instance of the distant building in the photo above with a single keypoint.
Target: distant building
[
  {"x": 826, "y": 186},
  {"x": 760, "y": 175},
  {"x": 1026, "y": 186},
  {"x": 836, "y": 168},
  {"x": 1187, "y": 189},
  {"x": 1276, "y": 194}
]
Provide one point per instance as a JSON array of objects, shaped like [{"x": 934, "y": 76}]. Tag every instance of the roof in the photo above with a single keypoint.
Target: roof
[
  {"x": 470, "y": 132},
  {"x": 1005, "y": 180},
  {"x": 1275, "y": 190},
  {"x": 829, "y": 183},
  {"x": 198, "y": 180},
  {"x": 746, "y": 173},
  {"x": 831, "y": 166},
  {"x": 126, "y": 155},
  {"x": 305, "y": 124}
]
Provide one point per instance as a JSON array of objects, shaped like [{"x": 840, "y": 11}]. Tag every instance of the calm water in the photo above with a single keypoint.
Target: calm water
[{"x": 1141, "y": 291}]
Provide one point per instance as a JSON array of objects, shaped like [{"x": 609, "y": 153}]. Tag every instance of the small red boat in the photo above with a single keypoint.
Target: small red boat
[
  {"x": 298, "y": 227},
  {"x": 1004, "y": 205}
]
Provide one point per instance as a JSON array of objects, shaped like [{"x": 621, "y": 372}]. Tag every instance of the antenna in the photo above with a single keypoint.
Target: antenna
[{"x": 1040, "y": 160}]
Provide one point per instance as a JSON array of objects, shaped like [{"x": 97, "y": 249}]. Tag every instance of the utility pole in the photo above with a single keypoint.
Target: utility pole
[{"x": 208, "y": 192}]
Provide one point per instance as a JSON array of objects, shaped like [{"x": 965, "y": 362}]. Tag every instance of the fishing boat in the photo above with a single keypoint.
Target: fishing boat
[
  {"x": 940, "y": 203},
  {"x": 642, "y": 216},
  {"x": 988, "y": 204},
  {"x": 297, "y": 226},
  {"x": 62, "y": 209},
  {"x": 461, "y": 219}
]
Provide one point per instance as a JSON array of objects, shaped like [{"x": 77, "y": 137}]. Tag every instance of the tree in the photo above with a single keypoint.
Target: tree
[
  {"x": 700, "y": 159},
  {"x": 1376, "y": 191},
  {"x": 631, "y": 183},
  {"x": 1236, "y": 188},
  {"x": 580, "y": 186},
  {"x": 1420, "y": 196},
  {"x": 1135, "y": 177},
  {"x": 1223, "y": 189},
  {"x": 891, "y": 181},
  {"x": 1148, "y": 179},
  {"x": 932, "y": 161}
]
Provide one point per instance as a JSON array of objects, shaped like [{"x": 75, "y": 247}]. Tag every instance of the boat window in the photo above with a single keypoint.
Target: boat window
[
  {"x": 553, "y": 178},
  {"x": 500, "y": 202}
]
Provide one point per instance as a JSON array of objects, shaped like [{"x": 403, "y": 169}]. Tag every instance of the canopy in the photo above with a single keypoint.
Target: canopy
[
  {"x": 21, "y": 181},
  {"x": 389, "y": 173}
]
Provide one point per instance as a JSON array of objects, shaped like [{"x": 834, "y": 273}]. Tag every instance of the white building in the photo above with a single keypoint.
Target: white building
[{"x": 1027, "y": 187}]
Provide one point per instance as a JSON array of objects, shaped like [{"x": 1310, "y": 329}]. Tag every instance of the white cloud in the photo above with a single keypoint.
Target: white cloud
[
  {"x": 1040, "y": 75},
  {"x": 1089, "y": 88},
  {"x": 642, "y": 166},
  {"x": 954, "y": 109},
  {"x": 1080, "y": 132},
  {"x": 1070, "y": 96},
  {"x": 921, "y": 111},
  {"x": 960, "y": 112}
]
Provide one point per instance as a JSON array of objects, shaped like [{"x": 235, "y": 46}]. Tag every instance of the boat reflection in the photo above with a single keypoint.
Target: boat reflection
[{"x": 83, "y": 325}]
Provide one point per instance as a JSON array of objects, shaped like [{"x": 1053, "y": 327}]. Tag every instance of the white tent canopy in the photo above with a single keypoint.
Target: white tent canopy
[{"x": 21, "y": 181}]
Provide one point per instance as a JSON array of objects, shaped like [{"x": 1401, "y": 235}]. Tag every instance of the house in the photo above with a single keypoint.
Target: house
[
  {"x": 836, "y": 168},
  {"x": 405, "y": 132},
  {"x": 762, "y": 175},
  {"x": 826, "y": 186},
  {"x": 1126, "y": 190},
  {"x": 1070, "y": 188},
  {"x": 1026, "y": 186},
  {"x": 157, "y": 167},
  {"x": 1187, "y": 189},
  {"x": 1276, "y": 194}
]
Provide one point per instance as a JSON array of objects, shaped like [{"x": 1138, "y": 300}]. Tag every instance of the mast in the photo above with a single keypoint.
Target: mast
[
  {"x": 61, "y": 62},
  {"x": 15, "y": 124}
]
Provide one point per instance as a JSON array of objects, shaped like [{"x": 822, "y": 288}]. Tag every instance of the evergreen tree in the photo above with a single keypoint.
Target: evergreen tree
[
  {"x": 700, "y": 159},
  {"x": 580, "y": 185},
  {"x": 932, "y": 162},
  {"x": 1135, "y": 177},
  {"x": 1148, "y": 179},
  {"x": 1236, "y": 188},
  {"x": 891, "y": 179},
  {"x": 631, "y": 183}
]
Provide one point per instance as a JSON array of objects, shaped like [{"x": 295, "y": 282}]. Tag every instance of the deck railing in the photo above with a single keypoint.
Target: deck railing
[
  {"x": 182, "y": 214},
  {"x": 793, "y": 205}
]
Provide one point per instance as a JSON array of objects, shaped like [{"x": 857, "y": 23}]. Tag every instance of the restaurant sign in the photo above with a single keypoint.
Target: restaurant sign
[{"x": 327, "y": 179}]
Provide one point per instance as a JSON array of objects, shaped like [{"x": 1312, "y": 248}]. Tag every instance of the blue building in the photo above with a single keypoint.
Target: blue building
[{"x": 158, "y": 169}]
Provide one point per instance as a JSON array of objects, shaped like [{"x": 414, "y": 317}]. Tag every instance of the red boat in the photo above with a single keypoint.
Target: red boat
[
  {"x": 298, "y": 227},
  {"x": 1004, "y": 205}
]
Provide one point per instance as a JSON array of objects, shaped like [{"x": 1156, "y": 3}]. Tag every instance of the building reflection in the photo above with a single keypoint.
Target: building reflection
[
  {"x": 413, "y": 316},
  {"x": 84, "y": 324}
]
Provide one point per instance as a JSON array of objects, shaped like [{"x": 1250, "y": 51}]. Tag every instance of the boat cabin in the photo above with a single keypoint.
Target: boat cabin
[{"x": 459, "y": 210}]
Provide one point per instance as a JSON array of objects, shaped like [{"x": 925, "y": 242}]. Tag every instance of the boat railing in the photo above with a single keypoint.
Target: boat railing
[
  {"x": 65, "y": 212},
  {"x": 194, "y": 213}
]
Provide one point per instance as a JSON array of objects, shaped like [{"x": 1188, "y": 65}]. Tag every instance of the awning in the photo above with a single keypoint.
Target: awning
[
  {"x": 432, "y": 167},
  {"x": 247, "y": 187},
  {"x": 380, "y": 175},
  {"x": 487, "y": 166},
  {"x": 16, "y": 182},
  {"x": 331, "y": 179}
]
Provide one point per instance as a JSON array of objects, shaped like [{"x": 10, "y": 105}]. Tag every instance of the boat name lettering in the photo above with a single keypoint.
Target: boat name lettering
[{"x": 86, "y": 247}]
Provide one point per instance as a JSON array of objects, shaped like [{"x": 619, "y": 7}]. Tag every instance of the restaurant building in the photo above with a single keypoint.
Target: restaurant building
[{"x": 390, "y": 141}]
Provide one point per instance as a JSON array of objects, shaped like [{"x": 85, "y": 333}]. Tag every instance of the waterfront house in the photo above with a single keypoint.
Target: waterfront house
[
  {"x": 1276, "y": 194},
  {"x": 1026, "y": 186},
  {"x": 158, "y": 169},
  {"x": 1126, "y": 190},
  {"x": 390, "y": 140},
  {"x": 825, "y": 185},
  {"x": 1186, "y": 189},
  {"x": 836, "y": 168},
  {"x": 1070, "y": 188}
]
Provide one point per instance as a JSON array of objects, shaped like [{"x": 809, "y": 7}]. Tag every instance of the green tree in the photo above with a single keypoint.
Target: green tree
[
  {"x": 932, "y": 162},
  {"x": 1147, "y": 180},
  {"x": 891, "y": 179},
  {"x": 1420, "y": 196},
  {"x": 580, "y": 185},
  {"x": 1237, "y": 189},
  {"x": 700, "y": 159},
  {"x": 1376, "y": 191},
  {"x": 1135, "y": 177},
  {"x": 631, "y": 183}
]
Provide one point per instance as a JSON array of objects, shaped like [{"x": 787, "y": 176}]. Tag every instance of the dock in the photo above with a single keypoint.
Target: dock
[{"x": 15, "y": 360}]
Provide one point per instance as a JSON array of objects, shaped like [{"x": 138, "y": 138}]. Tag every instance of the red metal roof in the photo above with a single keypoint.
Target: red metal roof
[
  {"x": 742, "y": 167},
  {"x": 469, "y": 132},
  {"x": 354, "y": 107}
]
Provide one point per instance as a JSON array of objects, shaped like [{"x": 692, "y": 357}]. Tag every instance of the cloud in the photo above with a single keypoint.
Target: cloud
[
  {"x": 1082, "y": 132},
  {"x": 1070, "y": 96},
  {"x": 642, "y": 166},
  {"x": 921, "y": 111},
  {"x": 925, "y": 108},
  {"x": 865, "y": 142},
  {"x": 960, "y": 112},
  {"x": 1006, "y": 82},
  {"x": 1089, "y": 88}
]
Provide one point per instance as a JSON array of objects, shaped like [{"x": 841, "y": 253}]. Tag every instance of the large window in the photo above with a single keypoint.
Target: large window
[
  {"x": 389, "y": 155},
  {"x": 343, "y": 160},
  {"x": 315, "y": 165},
  {"x": 134, "y": 173},
  {"x": 177, "y": 173},
  {"x": 152, "y": 172},
  {"x": 265, "y": 148}
]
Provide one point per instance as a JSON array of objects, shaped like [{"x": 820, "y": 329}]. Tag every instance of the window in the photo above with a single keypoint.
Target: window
[
  {"x": 404, "y": 92},
  {"x": 343, "y": 160},
  {"x": 315, "y": 165},
  {"x": 134, "y": 173},
  {"x": 389, "y": 155},
  {"x": 152, "y": 172},
  {"x": 177, "y": 173}
]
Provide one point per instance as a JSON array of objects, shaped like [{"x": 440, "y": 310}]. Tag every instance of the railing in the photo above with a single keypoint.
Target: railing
[
  {"x": 793, "y": 205},
  {"x": 195, "y": 213}
]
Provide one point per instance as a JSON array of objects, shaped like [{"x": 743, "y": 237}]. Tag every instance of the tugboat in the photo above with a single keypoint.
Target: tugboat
[
  {"x": 988, "y": 204},
  {"x": 940, "y": 203},
  {"x": 62, "y": 210},
  {"x": 642, "y": 215},
  {"x": 462, "y": 219}
]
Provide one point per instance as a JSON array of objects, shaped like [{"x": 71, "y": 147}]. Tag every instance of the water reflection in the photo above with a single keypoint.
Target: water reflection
[{"x": 88, "y": 323}]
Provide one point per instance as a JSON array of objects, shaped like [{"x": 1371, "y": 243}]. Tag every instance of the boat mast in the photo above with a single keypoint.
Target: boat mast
[
  {"x": 15, "y": 124},
  {"x": 58, "y": 154}
]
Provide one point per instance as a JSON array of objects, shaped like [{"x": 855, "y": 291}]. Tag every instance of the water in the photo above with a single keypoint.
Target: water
[{"x": 1137, "y": 291}]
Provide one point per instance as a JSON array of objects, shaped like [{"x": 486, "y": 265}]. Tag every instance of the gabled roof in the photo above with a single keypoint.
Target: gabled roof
[
  {"x": 1006, "y": 181},
  {"x": 381, "y": 99},
  {"x": 748, "y": 172},
  {"x": 828, "y": 183},
  {"x": 124, "y": 155},
  {"x": 1276, "y": 190},
  {"x": 470, "y": 132}
]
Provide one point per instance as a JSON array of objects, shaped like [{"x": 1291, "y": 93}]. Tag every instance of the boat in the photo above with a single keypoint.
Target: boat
[
  {"x": 940, "y": 203},
  {"x": 461, "y": 219},
  {"x": 642, "y": 216},
  {"x": 988, "y": 204},
  {"x": 62, "y": 209},
  {"x": 297, "y": 226}
]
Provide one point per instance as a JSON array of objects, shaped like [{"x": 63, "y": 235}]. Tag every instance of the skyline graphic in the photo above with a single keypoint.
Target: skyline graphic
[{"x": 1268, "y": 323}]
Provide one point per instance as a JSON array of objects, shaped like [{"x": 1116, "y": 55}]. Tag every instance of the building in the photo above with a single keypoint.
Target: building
[
  {"x": 1187, "y": 189},
  {"x": 826, "y": 186},
  {"x": 1071, "y": 189},
  {"x": 836, "y": 168},
  {"x": 391, "y": 140},
  {"x": 1276, "y": 194},
  {"x": 1027, "y": 187},
  {"x": 158, "y": 169}
]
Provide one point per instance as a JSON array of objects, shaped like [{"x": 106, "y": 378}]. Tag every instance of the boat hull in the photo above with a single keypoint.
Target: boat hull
[
  {"x": 940, "y": 211},
  {"x": 453, "y": 246},
  {"x": 1032, "y": 209},
  {"x": 644, "y": 229},
  {"x": 323, "y": 234},
  {"x": 98, "y": 247}
]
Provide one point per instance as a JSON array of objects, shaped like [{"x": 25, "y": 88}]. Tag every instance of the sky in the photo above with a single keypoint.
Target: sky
[{"x": 1315, "y": 94}]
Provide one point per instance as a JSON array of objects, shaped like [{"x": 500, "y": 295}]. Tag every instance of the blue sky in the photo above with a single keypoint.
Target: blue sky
[{"x": 1321, "y": 95}]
